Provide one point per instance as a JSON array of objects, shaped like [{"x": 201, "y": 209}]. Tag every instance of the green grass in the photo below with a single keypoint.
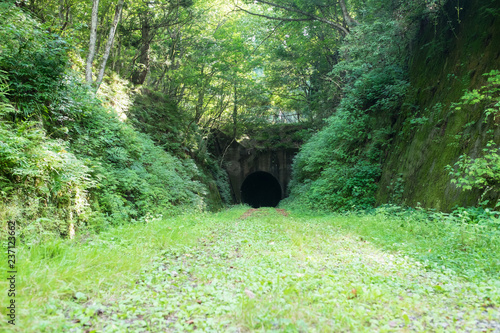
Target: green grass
[{"x": 267, "y": 272}]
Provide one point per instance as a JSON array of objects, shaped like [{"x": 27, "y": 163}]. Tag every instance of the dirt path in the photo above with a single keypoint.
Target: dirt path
[{"x": 261, "y": 212}]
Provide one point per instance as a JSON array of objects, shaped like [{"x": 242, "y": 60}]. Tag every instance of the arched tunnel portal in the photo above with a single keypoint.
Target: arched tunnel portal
[
  {"x": 261, "y": 189},
  {"x": 257, "y": 176}
]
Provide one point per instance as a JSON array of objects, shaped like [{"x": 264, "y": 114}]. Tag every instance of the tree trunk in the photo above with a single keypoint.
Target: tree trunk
[
  {"x": 345, "y": 13},
  {"x": 66, "y": 16},
  {"x": 116, "y": 58},
  {"x": 109, "y": 43},
  {"x": 201, "y": 98},
  {"x": 61, "y": 12},
  {"x": 171, "y": 56},
  {"x": 93, "y": 37},
  {"x": 235, "y": 113},
  {"x": 139, "y": 74},
  {"x": 101, "y": 23}
]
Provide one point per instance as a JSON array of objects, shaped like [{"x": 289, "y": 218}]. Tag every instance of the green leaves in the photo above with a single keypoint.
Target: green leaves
[
  {"x": 34, "y": 59},
  {"x": 481, "y": 173},
  {"x": 488, "y": 97},
  {"x": 339, "y": 167}
]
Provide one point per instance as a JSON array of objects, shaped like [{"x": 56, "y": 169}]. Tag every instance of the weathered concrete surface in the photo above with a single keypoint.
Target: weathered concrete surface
[{"x": 240, "y": 161}]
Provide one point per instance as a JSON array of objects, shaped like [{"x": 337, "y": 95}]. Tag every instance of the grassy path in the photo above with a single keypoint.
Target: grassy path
[{"x": 255, "y": 272}]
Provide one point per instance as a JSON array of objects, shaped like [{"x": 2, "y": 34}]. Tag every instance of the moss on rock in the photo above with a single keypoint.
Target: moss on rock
[{"x": 450, "y": 56}]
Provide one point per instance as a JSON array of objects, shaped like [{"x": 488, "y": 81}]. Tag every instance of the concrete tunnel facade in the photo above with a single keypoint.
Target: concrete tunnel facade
[{"x": 258, "y": 177}]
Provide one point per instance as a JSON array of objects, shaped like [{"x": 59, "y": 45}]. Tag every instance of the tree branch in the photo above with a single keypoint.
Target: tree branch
[
  {"x": 275, "y": 18},
  {"x": 309, "y": 16},
  {"x": 267, "y": 37}
]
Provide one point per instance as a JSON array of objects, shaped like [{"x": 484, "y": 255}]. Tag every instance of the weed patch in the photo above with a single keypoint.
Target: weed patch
[{"x": 267, "y": 272}]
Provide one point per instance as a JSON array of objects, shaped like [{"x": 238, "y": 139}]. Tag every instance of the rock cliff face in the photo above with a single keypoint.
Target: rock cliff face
[{"x": 450, "y": 55}]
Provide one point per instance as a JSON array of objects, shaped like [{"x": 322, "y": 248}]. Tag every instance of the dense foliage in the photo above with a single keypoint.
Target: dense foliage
[
  {"x": 382, "y": 144},
  {"x": 483, "y": 171},
  {"x": 108, "y": 114},
  {"x": 68, "y": 161},
  {"x": 339, "y": 167}
]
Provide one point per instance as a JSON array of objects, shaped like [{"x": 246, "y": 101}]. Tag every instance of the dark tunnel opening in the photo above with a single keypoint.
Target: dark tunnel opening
[{"x": 261, "y": 189}]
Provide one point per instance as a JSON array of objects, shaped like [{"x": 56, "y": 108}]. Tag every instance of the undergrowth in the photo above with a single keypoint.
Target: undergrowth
[
  {"x": 391, "y": 269},
  {"x": 69, "y": 162}
]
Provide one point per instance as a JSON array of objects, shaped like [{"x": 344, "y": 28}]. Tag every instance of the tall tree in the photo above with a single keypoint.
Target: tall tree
[
  {"x": 92, "y": 41},
  {"x": 109, "y": 43},
  {"x": 154, "y": 24}
]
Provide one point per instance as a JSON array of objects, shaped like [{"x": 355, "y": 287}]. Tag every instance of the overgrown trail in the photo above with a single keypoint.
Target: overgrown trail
[{"x": 266, "y": 271}]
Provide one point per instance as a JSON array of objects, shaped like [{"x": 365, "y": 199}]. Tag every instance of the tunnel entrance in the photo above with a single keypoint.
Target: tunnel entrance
[{"x": 261, "y": 189}]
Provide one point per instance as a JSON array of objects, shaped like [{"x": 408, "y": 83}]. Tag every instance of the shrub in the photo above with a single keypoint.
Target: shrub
[
  {"x": 134, "y": 175},
  {"x": 483, "y": 172},
  {"x": 34, "y": 59},
  {"x": 487, "y": 97}
]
